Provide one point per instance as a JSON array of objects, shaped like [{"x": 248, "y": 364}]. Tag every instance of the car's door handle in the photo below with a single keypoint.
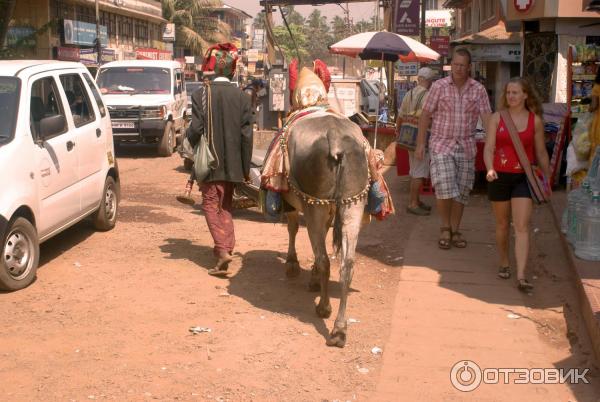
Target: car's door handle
[
  {"x": 98, "y": 132},
  {"x": 70, "y": 145}
]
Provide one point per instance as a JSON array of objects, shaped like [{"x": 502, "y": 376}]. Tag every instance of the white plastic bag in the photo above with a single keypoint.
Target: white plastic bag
[{"x": 573, "y": 164}]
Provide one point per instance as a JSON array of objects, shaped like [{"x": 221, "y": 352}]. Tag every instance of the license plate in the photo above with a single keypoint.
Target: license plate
[{"x": 123, "y": 124}]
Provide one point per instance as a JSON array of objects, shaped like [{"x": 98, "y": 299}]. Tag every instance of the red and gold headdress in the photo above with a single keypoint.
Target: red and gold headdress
[
  {"x": 309, "y": 87},
  {"x": 222, "y": 59}
]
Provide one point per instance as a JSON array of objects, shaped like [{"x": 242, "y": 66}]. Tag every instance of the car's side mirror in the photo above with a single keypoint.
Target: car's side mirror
[{"x": 52, "y": 126}]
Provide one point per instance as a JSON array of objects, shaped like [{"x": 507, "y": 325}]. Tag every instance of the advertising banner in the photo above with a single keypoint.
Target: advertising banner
[
  {"x": 169, "y": 33},
  {"x": 440, "y": 44},
  {"x": 83, "y": 33},
  {"x": 406, "y": 21}
]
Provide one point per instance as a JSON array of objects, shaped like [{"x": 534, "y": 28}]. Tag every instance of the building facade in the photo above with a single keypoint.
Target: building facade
[
  {"x": 549, "y": 27},
  {"x": 481, "y": 28},
  {"x": 66, "y": 29}
]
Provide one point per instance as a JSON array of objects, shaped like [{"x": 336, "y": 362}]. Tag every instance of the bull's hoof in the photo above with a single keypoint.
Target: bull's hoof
[
  {"x": 323, "y": 311},
  {"x": 293, "y": 269},
  {"x": 337, "y": 338}
]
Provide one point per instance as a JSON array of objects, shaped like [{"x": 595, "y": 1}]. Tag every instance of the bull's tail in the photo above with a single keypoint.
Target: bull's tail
[{"x": 337, "y": 154}]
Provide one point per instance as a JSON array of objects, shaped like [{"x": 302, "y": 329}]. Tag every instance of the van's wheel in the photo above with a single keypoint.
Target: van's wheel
[
  {"x": 166, "y": 145},
  {"x": 105, "y": 217},
  {"x": 188, "y": 164},
  {"x": 20, "y": 255}
]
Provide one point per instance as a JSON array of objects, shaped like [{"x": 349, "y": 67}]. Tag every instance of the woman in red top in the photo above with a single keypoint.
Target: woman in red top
[{"x": 507, "y": 188}]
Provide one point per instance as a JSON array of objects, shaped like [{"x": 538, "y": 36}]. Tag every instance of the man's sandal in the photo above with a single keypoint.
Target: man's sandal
[
  {"x": 504, "y": 272},
  {"x": 525, "y": 286},
  {"x": 445, "y": 243},
  {"x": 458, "y": 241}
]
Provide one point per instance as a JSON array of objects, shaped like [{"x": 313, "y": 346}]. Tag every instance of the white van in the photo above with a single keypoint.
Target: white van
[
  {"x": 146, "y": 100},
  {"x": 57, "y": 160}
]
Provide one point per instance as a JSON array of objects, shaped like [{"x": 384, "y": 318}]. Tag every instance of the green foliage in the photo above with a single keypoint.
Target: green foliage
[
  {"x": 195, "y": 29},
  {"x": 283, "y": 39}
]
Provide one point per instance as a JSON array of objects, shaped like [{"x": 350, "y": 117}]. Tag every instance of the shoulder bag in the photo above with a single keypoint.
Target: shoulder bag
[
  {"x": 205, "y": 159},
  {"x": 539, "y": 186},
  {"x": 409, "y": 129}
]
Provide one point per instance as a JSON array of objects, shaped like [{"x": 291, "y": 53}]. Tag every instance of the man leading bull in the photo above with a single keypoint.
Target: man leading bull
[{"x": 231, "y": 139}]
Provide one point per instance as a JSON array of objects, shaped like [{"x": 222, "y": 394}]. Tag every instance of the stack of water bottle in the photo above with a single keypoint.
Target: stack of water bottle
[{"x": 581, "y": 221}]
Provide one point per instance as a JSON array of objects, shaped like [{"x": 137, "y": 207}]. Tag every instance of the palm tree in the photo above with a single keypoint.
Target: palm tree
[{"x": 195, "y": 29}]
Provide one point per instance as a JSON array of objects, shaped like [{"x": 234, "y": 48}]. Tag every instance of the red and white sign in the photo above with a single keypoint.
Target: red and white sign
[
  {"x": 152, "y": 54},
  {"x": 523, "y": 6},
  {"x": 440, "y": 44},
  {"x": 67, "y": 53}
]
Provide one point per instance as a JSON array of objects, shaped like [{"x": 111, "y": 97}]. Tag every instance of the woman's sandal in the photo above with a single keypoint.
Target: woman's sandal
[
  {"x": 504, "y": 272},
  {"x": 445, "y": 243},
  {"x": 458, "y": 241},
  {"x": 525, "y": 286}
]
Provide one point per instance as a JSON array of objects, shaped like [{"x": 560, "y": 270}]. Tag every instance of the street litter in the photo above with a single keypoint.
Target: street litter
[
  {"x": 513, "y": 316},
  {"x": 376, "y": 350},
  {"x": 77, "y": 264},
  {"x": 353, "y": 321},
  {"x": 199, "y": 330},
  {"x": 363, "y": 370}
]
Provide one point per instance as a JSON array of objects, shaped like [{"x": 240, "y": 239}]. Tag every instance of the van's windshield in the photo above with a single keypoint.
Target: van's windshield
[
  {"x": 9, "y": 99},
  {"x": 138, "y": 80}
]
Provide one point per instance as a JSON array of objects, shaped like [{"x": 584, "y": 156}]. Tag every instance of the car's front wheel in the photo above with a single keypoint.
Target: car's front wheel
[
  {"x": 105, "y": 217},
  {"x": 167, "y": 142},
  {"x": 20, "y": 255}
]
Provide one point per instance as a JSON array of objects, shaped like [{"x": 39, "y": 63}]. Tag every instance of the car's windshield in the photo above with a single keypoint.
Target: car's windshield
[
  {"x": 9, "y": 99},
  {"x": 137, "y": 80}
]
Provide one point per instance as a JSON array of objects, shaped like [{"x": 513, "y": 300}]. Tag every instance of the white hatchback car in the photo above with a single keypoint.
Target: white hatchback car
[{"x": 57, "y": 160}]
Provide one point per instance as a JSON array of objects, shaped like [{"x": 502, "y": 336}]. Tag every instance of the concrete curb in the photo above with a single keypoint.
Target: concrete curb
[{"x": 587, "y": 275}]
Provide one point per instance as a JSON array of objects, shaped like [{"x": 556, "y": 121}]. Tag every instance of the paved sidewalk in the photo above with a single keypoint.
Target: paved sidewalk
[{"x": 451, "y": 306}]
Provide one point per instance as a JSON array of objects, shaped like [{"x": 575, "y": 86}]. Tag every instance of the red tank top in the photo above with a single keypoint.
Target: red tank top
[{"x": 505, "y": 156}]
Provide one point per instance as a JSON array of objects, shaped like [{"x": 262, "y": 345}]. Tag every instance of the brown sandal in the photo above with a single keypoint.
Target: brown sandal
[
  {"x": 459, "y": 242},
  {"x": 445, "y": 243}
]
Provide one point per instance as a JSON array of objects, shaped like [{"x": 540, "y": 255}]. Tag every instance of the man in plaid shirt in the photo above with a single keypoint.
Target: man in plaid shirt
[{"x": 452, "y": 108}]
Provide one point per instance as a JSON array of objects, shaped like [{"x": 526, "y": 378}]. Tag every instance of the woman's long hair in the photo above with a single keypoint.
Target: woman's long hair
[{"x": 532, "y": 103}]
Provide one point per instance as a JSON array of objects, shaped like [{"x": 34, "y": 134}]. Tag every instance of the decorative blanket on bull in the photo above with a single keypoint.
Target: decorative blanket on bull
[{"x": 276, "y": 166}]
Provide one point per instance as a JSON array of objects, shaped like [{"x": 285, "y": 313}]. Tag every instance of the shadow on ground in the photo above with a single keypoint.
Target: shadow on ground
[{"x": 261, "y": 281}]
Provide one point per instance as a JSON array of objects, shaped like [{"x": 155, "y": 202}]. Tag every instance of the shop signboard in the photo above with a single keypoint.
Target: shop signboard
[
  {"x": 407, "y": 68},
  {"x": 406, "y": 21},
  {"x": 505, "y": 53},
  {"x": 440, "y": 44},
  {"x": 83, "y": 33},
  {"x": 66, "y": 53},
  {"x": 23, "y": 35},
  {"x": 90, "y": 56},
  {"x": 438, "y": 18},
  {"x": 145, "y": 53}
]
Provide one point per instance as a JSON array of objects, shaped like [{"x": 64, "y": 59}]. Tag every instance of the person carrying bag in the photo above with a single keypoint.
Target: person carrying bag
[{"x": 515, "y": 138}]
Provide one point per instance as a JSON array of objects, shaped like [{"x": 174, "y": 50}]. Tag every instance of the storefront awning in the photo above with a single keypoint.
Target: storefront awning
[{"x": 495, "y": 35}]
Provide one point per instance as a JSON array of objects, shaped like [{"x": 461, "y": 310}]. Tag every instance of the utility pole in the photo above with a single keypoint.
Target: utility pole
[
  {"x": 98, "y": 44},
  {"x": 423, "y": 8}
]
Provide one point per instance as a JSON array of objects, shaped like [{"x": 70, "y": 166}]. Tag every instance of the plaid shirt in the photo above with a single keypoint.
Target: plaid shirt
[{"x": 454, "y": 115}]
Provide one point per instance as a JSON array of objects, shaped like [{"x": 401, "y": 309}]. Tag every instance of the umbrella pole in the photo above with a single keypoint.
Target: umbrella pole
[{"x": 377, "y": 115}]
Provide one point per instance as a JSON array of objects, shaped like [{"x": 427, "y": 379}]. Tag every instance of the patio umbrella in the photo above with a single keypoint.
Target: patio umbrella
[{"x": 385, "y": 46}]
